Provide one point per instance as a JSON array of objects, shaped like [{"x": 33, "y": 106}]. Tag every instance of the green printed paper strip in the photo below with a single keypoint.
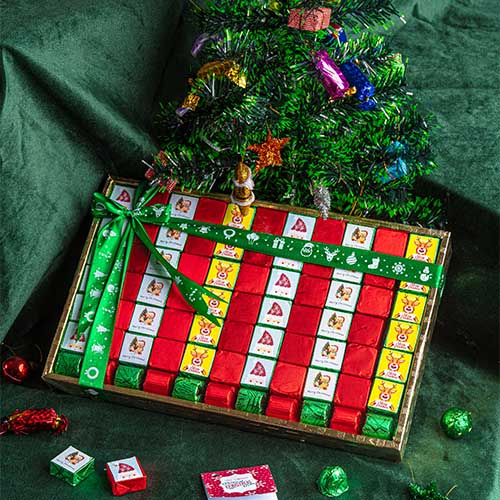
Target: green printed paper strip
[
  {"x": 354, "y": 259},
  {"x": 316, "y": 413},
  {"x": 68, "y": 364},
  {"x": 251, "y": 401},
  {"x": 189, "y": 389},
  {"x": 378, "y": 426},
  {"x": 129, "y": 376}
]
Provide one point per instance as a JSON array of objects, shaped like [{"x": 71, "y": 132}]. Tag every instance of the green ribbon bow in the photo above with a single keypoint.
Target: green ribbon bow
[
  {"x": 107, "y": 272},
  {"x": 112, "y": 248}
]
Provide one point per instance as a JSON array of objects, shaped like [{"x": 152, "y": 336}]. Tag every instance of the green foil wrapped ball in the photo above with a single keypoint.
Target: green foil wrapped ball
[
  {"x": 456, "y": 422},
  {"x": 332, "y": 482}
]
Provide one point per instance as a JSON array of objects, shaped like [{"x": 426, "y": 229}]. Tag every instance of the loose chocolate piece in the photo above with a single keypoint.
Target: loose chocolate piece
[
  {"x": 251, "y": 400},
  {"x": 129, "y": 376},
  {"x": 72, "y": 466},
  {"x": 68, "y": 364},
  {"x": 189, "y": 389},
  {"x": 315, "y": 413},
  {"x": 378, "y": 426}
]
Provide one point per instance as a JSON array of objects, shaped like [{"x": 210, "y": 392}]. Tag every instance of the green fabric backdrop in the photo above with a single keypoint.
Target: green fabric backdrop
[{"x": 80, "y": 83}]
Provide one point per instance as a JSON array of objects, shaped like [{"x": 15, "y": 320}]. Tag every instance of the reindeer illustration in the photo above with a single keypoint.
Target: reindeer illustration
[
  {"x": 386, "y": 392},
  {"x": 359, "y": 235},
  {"x": 155, "y": 287},
  {"x": 197, "y": 358},
  {"x": 175, "y": 234},
  {"x": 344, "y": 293},
  {"x": 336, "y": 322},
  {"x": 137, "y": 346},
  {"x": 206, "y": 326},
  {"x": 410, "y": 304},
  {"x": 322, "y": 381},
  {"x": 421, "y": 246},
  {"x": 236, "y": 217},
  {"x": 223, "y": 271},
  {"x": 183, "y": 205},
  {"x": 329, "y": 351},
  {"x": 74, "y": 458},
  {"x": 403, "y": 332},
  {"x": 394, "y": 361},
  {"x": 147, "y": 317}
]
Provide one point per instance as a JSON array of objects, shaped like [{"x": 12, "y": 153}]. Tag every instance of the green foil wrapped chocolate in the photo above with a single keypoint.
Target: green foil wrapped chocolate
[
  {"x": 315, "y": 413},
  {"x": 68, "y": 364},
  {"x": 129, "y": 376},
  {"x": 378, "y": 426},
  {"x": 189, "y": 389},
  {"x": 332, "y": 482},
  {"x": 429, "y": 492},
  {"x": 456, "y": 422},
  {"x": 251, "y": 400}
]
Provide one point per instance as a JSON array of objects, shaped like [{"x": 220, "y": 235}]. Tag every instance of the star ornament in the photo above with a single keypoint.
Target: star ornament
[{"x": 269, "y": 152}]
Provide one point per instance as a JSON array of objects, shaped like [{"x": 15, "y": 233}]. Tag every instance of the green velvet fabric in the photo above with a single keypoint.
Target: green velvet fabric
[{"x": 80, "y": 81}]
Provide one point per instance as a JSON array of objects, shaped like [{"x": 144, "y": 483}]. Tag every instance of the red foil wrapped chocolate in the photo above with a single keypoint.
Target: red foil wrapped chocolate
[
  {"x": 288, "y": 380},
  {"x": 236, "y": 337},
  {"x": 296, "y": 349},
  {"x": 310, "y": 20},
  {"x": 366, "y": 330},
  {"x": 227, "y": 367},
  {"x": 346, "y": 420},
  {"x": 158, "y": 382},
  {"x": 166, "y": 355},
  {"x": 244, "y": 307},
  {"x": 312, "y": 291},
  {"x": 175, "y": 324},
  {"x": 375, "y": 300},
  {"x": 304, "y": 320},
  {"x": 221, "y": 395},
  {"x": 352, "y": 391},
  {"x": 194, "y": 267},
  {"x": 34, "y": 420},
  {"x": 359, "y": 360},
  {"x": 282, "y": 407},
  {"x": 126, "y": 476},
  {"x": 252, "y": 279}
]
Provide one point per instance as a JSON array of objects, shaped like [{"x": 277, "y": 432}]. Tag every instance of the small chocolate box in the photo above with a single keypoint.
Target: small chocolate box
[
  {"x": 72, "y": 466},
  {"x": 126, "y": 476}
]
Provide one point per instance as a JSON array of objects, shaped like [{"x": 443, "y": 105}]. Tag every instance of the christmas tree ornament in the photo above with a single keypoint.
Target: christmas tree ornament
[
  {"x": 72, "y": 466},
  {"x": 365, "y": 90},
  {"x": 456, "y": 422},
  {"x": 322, "y": 200},
  {"x": 310, "y": 20},
  {"x": 331, "y": 76},
  {"x": 33, "y": 420},
  {"x": 126, "y": 476},
  {"x": 230, "y": 69},
  {"x": 335, "y": 35},
  {"x": 16, "y": 369},
  {"x": 274, "y": 6},
  {"x": 243, "y": 194},
  {"x": 429, "y": 492},
  {"x": 332, "y": 482},
  {"x": 190, "y": 103},
  {"x": 397, "y": 169},
  {"x": 200, "y": 42},
  {"x": 269, "y": 152}
]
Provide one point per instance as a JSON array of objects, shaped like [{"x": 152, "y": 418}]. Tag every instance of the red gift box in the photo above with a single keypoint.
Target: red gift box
[
  {"x": 166, "y": 355},
  {"x": 175, "y": 324},
  {"x": 388, "y": 241},
  {"x": 257, "y": 259},
  {"x": 210, "y": 211},
  {"x": 175, "y": 300},
  {"x": 158, "y": 382},
  {"x": 138, "y": 258},
  {"x": 284, "y": 408},
  {"x": 227, "y": 367},
  {"x": 244, "y": 307},
  {"x": 110, "y": 372},
  {"x": 199, "y": 246},
  {"x": 131, "y": 286},
  {"x": 366, "y": 330},
  {"x": 194, "y": 267},
  {"x": 310, "y": 20},
  {"x": 352, "y": 391},
  {"x": 116, "y": 343},
  {"x": 296, "y": 349},
  {"x": 375, "y": 301},
  {"x": 288, "y": 380},
  {"x": 359, "y": 360},
  {"x": 124, "y": 314},
  {"x": 123, "y": 469},
  {"x": 304, "y": 320},
  {"x": 236, "y": 337},
  {"x": 312, "y": 291},
  {"x": 221, "y": 395},
  {"x": 252, "y": 279},
  {"x": 346, "y": 420}
]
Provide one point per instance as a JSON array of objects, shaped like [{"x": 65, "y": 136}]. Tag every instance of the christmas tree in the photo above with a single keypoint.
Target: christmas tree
[{"x": 311, "y": 99}]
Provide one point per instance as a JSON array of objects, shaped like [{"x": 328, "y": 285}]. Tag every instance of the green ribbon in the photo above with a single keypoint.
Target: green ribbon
[
  {"x": 114, "y": 241},
  {"x": 352, "y": 259},
  {"x": 107, "y": 272}
]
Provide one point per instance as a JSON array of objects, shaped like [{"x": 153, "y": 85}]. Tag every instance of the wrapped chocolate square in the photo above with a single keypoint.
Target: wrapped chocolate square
[
  {"x": 310, "y": 20},
  {"x": 72, "y": 466}
]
